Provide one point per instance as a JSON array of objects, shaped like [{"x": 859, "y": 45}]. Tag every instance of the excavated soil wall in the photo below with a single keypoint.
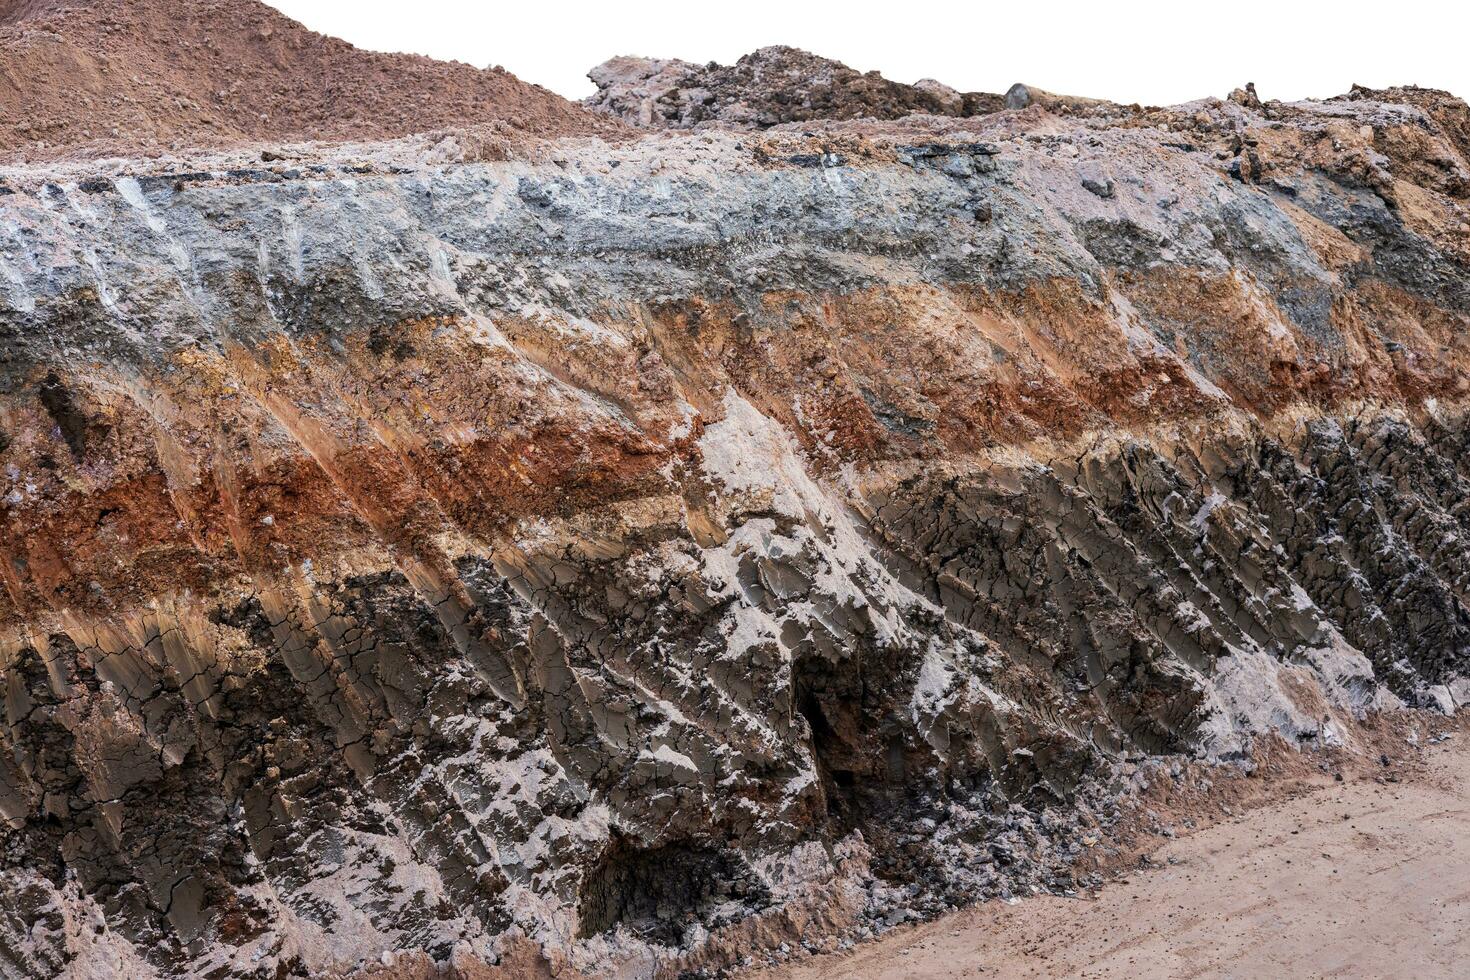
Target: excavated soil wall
[{"x": 625, "y": 557}]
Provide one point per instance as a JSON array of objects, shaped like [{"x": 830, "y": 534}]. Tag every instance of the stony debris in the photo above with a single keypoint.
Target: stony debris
[{"x": 765, "y": 88}]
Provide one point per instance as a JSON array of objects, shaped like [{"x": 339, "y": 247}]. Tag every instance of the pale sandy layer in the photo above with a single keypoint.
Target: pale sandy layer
[{"x": 1356, "y": 879}]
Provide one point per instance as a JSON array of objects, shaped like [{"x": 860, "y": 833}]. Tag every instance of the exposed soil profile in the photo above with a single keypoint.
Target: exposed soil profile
[{"x": 447, "y": 533}]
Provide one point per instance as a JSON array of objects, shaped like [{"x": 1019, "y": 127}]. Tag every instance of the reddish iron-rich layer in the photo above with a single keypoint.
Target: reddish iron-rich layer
[{"x": 248, "y": 462}]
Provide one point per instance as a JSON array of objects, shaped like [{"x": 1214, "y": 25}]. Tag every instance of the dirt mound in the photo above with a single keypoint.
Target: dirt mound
[
  {"x": 109, "y": 76},
  {"x": 13, "y": 11},
  {"x": 765, "y": 88}
]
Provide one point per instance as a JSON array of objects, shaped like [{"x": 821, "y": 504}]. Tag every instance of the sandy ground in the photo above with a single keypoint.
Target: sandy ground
[{"x": 1356, "y": 879}]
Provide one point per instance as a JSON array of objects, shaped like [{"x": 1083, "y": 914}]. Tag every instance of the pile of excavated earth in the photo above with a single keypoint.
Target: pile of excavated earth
[
  {"x": 108, "y": 77},
  {"x": 449, "y": 531}
]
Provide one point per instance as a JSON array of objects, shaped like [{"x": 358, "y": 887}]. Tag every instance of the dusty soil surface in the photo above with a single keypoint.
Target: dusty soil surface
[
  {"x": 126, "y": 76},
  {"x": 1366, "y": 878}
]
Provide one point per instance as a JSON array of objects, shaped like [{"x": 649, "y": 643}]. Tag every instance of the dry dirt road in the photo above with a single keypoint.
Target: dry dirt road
[{"x": 1358, "y": 879}]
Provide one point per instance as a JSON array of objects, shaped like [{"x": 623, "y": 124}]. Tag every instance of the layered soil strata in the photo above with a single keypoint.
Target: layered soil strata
[{"x": 626, "y": 554}]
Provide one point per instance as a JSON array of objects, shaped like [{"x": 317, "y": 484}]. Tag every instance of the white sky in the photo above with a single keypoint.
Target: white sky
[{"x": 1140, "y": 51}]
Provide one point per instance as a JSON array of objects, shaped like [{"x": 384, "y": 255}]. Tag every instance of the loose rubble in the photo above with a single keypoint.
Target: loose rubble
[{"x": 767, "y": 87}]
